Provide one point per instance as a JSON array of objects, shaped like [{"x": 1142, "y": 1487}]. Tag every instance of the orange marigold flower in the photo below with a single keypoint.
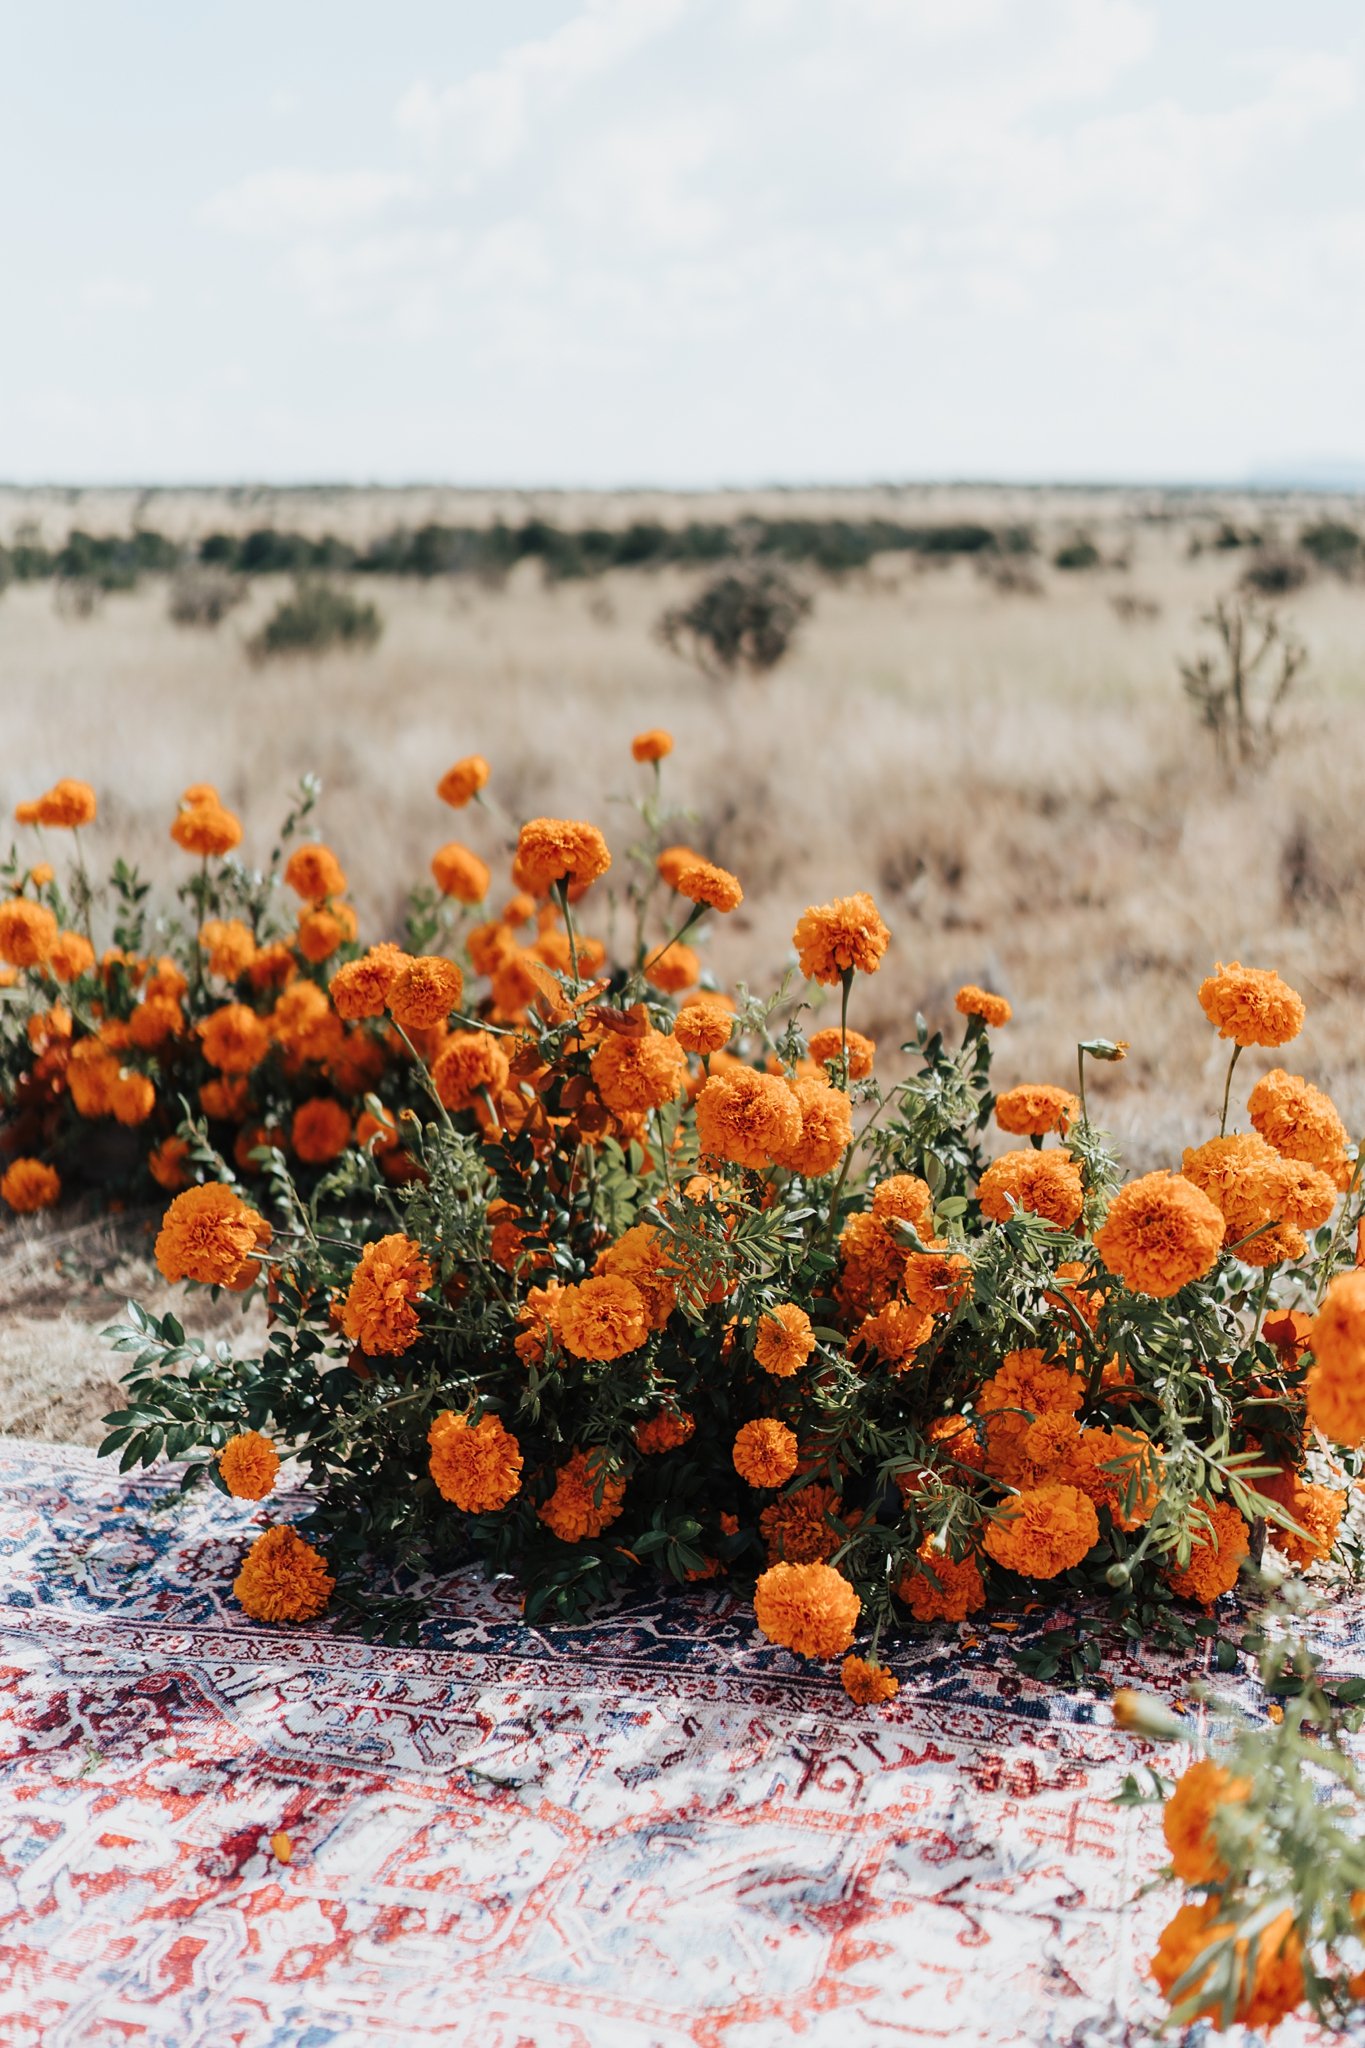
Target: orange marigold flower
[
  {"x": 868, "y": 1685},
  {"x": 206, "y": 829},
  {"x": 652, "y": 745},
  {"x": 234, "y": 1039},
  {"x": 321, "y": 1130},
  {"x": 90, "y": 1077},
  {"x": 896, "y": 1332},
  {"x": 468, "y": 1062},
  {"x": 1113, "y": 1466},
  {"x": 747, "y": 1117},
  {"x": 639, "y": 1073},
  {"x": 425, "y": 992},
  {"x": 463, "y": 781},
  {"x": 833, "y": 938},
  {"x": 971, "y": 1001},
  {"x": 703, "y": 1027},
  {"x": 1035, "y": 1108},
  {"x": 283, "y": 1578},
  {"x": 826, "y": 1129},
  {"x": 1024, "y": 1387},
  {"x": 1187, "y": 1820},
  {"x": 28, "y": 932},
  {"x": 166, "y": 1164},
  {"x": 937, "y": 1281},
  {"x": 314, "y": 873},
  {"x": 1251, "y": 1005},
  {"x": 765, "y": 1452},
  {"x": 273, "y": 967},
  {"x": 1043, "y": 1530},
  {"x": 155, "y": 1022},
  {"x": 666, "y": 1431},
  {"x": 673, "y": 970},
  {"x": 1298, "y": 1119},
  {"x": 1216, "y": 1555},
  {"x": 249, "y": 1465},
  {"x": 225, "y": 1101},
  {"x": 476, "y": 1465},
  {"x": 551, "y": 850},
  {"x": 361, "y": 988},
  {"x": 71, "y": 956},
  {"x": 322, "y": 928},
  {"x": 673, "y": 860},
  {"x": 1246, "y": 1179},
  {"x": 1310, "y": 1195},
  {"x": 585, "y": 1501},
  {"x": 67, "y": 804},
  {"x": 828, "y": 1044},
  {"x": 1047, "y": 1183},
  {"x": 28, "y": 1186},
  {"x": 871, "y": 1264},
  {"x": 640, "y": 1255},
  {"x": 1270, "y": 1981},
  {"x": 1335, "y": 1387},
  {"x": 601, "y": 1318},
  {"x": 904, "y": 1198},
  {"x": 230, "y": 945},
  {"x": 209, "y": 1234},
  {"x": 701, "y": 881},
  {"x": 802, "y": 1527},
  {"x": 460, "y": 873},
  {"x": 958, "y": 1593},
  {"x": 783, "y": 1340},
  {"x": 1317, "y": 1510},
  {"x": 1161, "y": 1232},
  {"x": 132, "y": 1098},
  {"x": 808, "y": 1608},
  {"x": 380, "y": 1312}
]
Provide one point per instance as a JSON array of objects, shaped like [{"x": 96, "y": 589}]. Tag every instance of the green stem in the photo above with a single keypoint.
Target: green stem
[
  {"x": 1227, "y": 1092},
  {"x": 561, "y": 896}
]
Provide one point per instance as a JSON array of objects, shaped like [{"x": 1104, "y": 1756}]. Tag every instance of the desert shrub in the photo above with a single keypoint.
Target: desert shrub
[
  {"x": 203, "y": 596},
  {"x": 1134, "y": 607},
  {"x": 1010, "y": 574},
  {"x": 1335, "y": 546},
  {"x": 317, "y": 617},
  {"x": 1080, "y": 553},
  {"x": 1240, "y": 691},
  {"x": 744, "y": 618},
  {"x": 1275, "y": 572}
]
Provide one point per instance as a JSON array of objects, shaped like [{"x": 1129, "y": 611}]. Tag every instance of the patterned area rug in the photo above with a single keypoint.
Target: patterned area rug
[{"x": 657, "y": 1832}]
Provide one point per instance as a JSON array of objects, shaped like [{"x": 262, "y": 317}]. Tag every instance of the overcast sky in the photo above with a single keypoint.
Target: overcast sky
[{"x": 680, "y": 241}]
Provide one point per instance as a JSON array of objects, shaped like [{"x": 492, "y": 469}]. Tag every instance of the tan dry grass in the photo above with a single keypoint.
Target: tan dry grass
[{"x": 1018, "y": 780}]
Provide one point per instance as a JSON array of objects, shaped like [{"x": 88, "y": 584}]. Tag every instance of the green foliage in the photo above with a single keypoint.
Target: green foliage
[
  {"x": 315, "y": 619},
  {"x": 744, "y": 618}
]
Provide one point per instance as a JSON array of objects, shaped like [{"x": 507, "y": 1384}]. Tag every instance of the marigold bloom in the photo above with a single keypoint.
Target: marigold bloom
[
  {"x": 132, "y": 1098},
  {"x": 361, "y": 988},
  {"x": 639, "y": 1073},
  {"x": 551, "y": 850},
  {"x": 896, "y": 1332},
  {"x": 1251, "y": 1005},
  {"x": 703, "y": 1027},
  {"x": 1216, "y": 1556},
  {"x": 90, "y": 1077},
  {"x": 601, "y": 1318},
  {"x": 640, "y": 1255},
  {"x": 249, "y": 1465},
  {"x": 1043, "y": 1530},
  {"x": 765, "y": 1452},
  {"x": 673, "y": 860},
  {"x": 701, "y": 881},
  {"x": 463, "y": 781},
  {"x": 673, "y": 970},
  {"x": 808, "y": 1608},
  {"x": 1318, "y": 1510},
  {"x": 234, "y": 1039},
  {"x": 209, "y": 1234},
  {"x": 273, "y": 967},
  {"x": 322, "y": 928},
  {"x": 206, "y": 829},
  {"x": 1047, "y": 1183},
  {"x": 321, "y": 1130},
  {"x": 1161, "y": 1232},
  {"x": 1111, "y": 1465},
  {"x": 827, "y": 1044},
  {"x": 1335, "y": 1387},
  {"x": 802, "y": 1527},
  {"x": 868, "y": 1685},
  {"x": 1024, "y": 1387},
  {"x": 425, "y": 992},
  {"x": 1246, "y": 1179},
  {"x": 68, "y": 804},
  {"x": 1298, "y": 1119},
  {"x": 380, "y": 1312},
  {"x": 283, "y": 1578},
  {"x": 314, "y": 873},
  {"x": 826, "y": 1129},
  {"x": 460, "y": 873},
  {"x": 29, "y": 1185},
  {"x": 476, "y": 1465},
  {"x": 225, "y": 1101},
  {"x": 905, "y": 1198},
  {"x": 833, "y": 938},
  {"x": 230, "y": 946},
  {"x": 467, "y": 1063},
  {"x": 1187, "y": 1820},
  {"x": 783, "y": 1340},
  {"x": 1271, "y": 1982},
  {"x": 652, "y": 745},
  {"x": 166, "y": 1164},
  {"x": 71, "y": 956},
  {"x": 959, "y": 1592},
  {"x": 585, "y": 1501},
  {"x": 937, "y": 1281},
  {"x": 1035, "y": 1108},
  {"x": 28, "y": 932},
  {"x": 669, "y": 1430},
  {"x": 747, "y": 1117},
  {"x": 971, "y": 1001}
]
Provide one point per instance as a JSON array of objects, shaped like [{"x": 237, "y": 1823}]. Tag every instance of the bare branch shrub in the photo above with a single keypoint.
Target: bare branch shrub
[{"x": 1240, "y": 691}]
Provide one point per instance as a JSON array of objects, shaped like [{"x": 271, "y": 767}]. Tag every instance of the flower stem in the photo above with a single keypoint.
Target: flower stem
[{"x": 1227, "y": 1092}]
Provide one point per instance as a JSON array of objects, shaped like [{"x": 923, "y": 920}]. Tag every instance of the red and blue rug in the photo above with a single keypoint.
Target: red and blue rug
[{"x": 654, "y": 1832}]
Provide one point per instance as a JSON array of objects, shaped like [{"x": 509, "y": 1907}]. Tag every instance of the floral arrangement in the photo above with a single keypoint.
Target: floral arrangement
[{"x": 581, "y": 1266}]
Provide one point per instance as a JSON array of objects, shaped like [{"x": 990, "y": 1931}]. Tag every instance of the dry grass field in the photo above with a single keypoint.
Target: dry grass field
[{"x": 1018, "y": 778}]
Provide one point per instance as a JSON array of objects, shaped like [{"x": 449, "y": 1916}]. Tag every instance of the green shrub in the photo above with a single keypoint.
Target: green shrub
[
  {"x": 203, "y": 596},
  {"x": 1080, "y": 553},
  {"x": 1334, "y": 545},
  {"x": 744, "y": 618},
  {"x": 1275, "y": 573},
  {"x": 317, "y": 617}
]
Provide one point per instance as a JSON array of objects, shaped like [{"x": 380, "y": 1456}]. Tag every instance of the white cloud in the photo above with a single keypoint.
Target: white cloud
[
  {"x": 115, "y": 295},
  {"x": 286, "y": 202}
]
